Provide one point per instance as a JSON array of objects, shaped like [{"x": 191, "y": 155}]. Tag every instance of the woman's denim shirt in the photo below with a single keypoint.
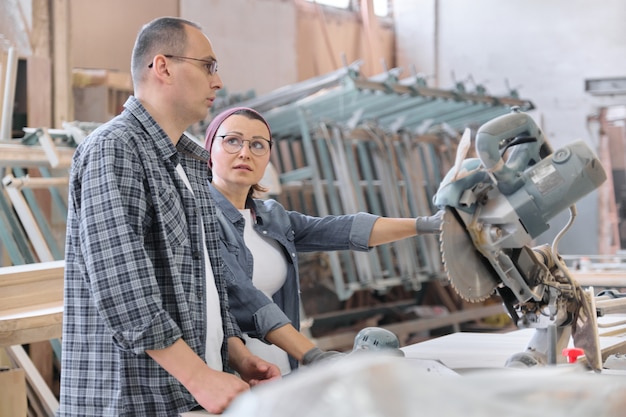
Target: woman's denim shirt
[{"x": 295, "y": 232}]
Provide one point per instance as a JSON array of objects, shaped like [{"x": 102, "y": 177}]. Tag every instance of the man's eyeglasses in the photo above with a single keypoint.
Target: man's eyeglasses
[
  {"x": 209, "y": 64},
  {"x": 234, "y": 144}
]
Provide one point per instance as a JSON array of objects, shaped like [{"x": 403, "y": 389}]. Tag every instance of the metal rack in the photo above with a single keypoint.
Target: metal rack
[{"x": 381, "y": 145}]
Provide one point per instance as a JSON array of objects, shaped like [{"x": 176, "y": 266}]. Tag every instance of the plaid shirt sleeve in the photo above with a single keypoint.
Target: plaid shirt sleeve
[{"x": 113, "y": 211}]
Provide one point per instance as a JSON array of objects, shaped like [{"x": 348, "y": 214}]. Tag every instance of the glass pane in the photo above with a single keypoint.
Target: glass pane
[
  {"x": 343, "y": 4},
  {"x": 381, "y": 7}
]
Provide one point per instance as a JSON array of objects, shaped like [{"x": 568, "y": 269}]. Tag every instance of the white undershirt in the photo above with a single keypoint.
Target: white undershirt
[
  {"x": 269, "y": 275},
  {"x": 215, "y": 331}
]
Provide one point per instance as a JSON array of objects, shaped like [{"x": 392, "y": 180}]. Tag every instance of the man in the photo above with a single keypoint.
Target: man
[{"x": 146, "y": 330}]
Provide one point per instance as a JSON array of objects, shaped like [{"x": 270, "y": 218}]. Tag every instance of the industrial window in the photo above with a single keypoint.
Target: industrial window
[
  {"x": 341, "y": 4},
  {"x": 381, "y": 7}
]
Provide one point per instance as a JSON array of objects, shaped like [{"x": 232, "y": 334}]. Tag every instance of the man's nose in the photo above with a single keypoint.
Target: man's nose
[{"x": 216, "y": 81}]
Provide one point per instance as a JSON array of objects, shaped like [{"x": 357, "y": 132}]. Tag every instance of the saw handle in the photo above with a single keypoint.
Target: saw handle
[{"x": 514, "y": 128}]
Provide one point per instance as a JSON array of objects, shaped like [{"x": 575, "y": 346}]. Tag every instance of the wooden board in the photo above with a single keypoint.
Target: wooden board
[
  {"x": 33, "y": 156},
  {"x": 13, "y": 393},
  {"x": 31, "y": 302},
  {"x": 488, "y": 350},
  {"x": 616, "y": 279}
]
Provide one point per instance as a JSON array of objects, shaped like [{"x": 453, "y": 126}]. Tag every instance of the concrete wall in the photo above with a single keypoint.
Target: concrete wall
[{"x": 546, "y": 49}]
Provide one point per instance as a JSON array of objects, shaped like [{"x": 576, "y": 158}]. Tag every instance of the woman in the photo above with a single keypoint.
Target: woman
[{"x": 260, "y": 239}]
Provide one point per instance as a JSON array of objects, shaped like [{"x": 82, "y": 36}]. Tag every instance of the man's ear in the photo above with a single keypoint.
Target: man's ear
[{"x": 160, "y": 67}]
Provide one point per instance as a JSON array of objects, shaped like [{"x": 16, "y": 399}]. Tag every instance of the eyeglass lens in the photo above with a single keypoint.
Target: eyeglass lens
[
  {"x": 211, "y": 67},
  {"x": 233, "y": 144}
]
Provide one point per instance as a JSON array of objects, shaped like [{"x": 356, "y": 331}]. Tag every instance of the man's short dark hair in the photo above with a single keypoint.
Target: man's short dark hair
[{"x": 163, "y": 35}]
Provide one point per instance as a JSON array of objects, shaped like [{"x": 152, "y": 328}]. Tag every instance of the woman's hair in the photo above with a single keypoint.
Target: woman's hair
[{"x": 216, "y": 123}]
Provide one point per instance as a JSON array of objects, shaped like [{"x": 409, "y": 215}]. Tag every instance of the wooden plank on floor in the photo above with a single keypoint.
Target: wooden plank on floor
[
  {"x": 40, "y": 390},
  {"x": 13, "y": 401},
  {"x": 42, "y": 356}
]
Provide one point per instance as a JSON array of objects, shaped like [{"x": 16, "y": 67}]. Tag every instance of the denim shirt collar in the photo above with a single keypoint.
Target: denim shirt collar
[{"x": 231, "y": 212}]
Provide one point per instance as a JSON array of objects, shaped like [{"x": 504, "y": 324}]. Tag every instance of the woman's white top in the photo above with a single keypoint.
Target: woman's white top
[{"x": 269, "y": 274}]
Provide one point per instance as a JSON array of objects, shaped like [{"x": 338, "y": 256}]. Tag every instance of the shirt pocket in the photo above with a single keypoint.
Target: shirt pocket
[{"x": 173, "y": 218}]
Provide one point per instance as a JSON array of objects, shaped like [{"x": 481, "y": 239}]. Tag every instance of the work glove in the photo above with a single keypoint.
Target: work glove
[
  {"x": 317, "y": 355},
  {"x": 429, "y": 224}
]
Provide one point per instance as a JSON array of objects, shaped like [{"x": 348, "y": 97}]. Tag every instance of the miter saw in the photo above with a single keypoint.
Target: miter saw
[{"x": 494, "y": 206}]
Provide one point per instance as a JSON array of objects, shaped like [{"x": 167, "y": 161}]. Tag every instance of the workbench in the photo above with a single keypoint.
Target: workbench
[
  {"x": 465, "y": 352},
  {"x": 460, "y": 374}
]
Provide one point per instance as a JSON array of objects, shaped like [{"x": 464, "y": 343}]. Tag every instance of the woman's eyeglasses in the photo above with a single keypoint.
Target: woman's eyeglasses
[{"x": 234, "y": 144}]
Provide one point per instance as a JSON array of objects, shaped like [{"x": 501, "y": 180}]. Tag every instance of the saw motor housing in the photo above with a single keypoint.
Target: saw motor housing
[{"x": 535, "y": 183}]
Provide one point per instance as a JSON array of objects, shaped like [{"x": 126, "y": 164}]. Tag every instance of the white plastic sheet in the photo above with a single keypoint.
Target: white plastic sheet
[{"x": 382, "y": 386}]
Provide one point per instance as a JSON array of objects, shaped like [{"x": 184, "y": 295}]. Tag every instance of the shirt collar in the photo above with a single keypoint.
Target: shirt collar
[
  {"x": 186, "y": 145},
  {"x": 227, "y": 208}
]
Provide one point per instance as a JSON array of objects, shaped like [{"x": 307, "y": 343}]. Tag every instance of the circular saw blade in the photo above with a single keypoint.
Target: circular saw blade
[{"x": 467, "y": 269}]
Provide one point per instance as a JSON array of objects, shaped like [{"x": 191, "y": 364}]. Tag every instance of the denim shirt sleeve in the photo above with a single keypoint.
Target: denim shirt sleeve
[
  {"x": 330, "y": 233},
  {"x": 361, "y": 230},
  {"x": 255, "y": 314}
]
